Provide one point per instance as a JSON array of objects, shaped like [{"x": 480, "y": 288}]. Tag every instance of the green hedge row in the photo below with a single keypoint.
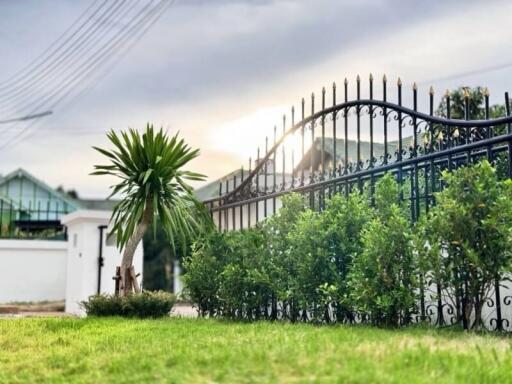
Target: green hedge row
[{"x": 356, "y": 261}]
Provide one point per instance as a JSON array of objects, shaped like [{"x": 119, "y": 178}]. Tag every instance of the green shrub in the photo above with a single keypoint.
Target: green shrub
[
  {"x": 342, "y": 225},
  {"x": 466, "y": 240},
  {"x": 142, "y": 305},
  {"x": 245, "y": 288},
  {"x": 281, "y": 264},
  {"x": 353, "y": 259},
  {"x": 203, "y": 268},
  {"x": 383, "y": 275}
]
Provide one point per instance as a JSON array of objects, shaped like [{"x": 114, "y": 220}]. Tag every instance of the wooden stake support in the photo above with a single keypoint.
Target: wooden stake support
[{"x": 130, "y": 285}]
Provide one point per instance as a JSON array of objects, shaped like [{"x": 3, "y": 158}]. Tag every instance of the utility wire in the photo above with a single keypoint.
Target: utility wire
[
  {"x": 146, "y": 22},
  {"x": 45, "y": 53},
  {"x": 59, "y": 62},
  {"x": 59, "y": 87},
  {"x": 54, "y": 51}
]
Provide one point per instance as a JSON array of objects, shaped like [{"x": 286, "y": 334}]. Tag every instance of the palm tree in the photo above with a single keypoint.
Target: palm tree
[{"x": 153, "y": 184}]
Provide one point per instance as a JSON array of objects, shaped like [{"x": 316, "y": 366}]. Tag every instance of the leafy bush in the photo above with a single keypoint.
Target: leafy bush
[
  {"x": 382, "y": 279},
  {"x": 142, "y": 305},
  {"x": 466, "y": 240},
  {"x": 203, "y": 269},
  {"x": 361, "y": 257}
]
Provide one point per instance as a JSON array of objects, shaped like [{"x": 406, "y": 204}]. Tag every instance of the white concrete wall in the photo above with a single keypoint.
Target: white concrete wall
[
  {"x": 83, "y": 254},
  {"x": 32, "y": 270}
]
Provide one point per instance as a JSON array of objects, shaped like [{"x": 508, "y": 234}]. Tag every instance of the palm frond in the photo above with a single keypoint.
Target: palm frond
[{"x": 149, "y": 167}]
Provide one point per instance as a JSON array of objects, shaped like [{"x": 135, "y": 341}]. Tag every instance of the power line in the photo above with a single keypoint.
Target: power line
[
  {"x": 55, "y": 42},
  {"x": 56, "y": 50},
  {"x": 85, "y": 64},
  {"x": 42, "y": 74},
  {"x": 25, "y": 118},
  {"x": 467, "y": 73},
  {"x": 146, "y": 22}
]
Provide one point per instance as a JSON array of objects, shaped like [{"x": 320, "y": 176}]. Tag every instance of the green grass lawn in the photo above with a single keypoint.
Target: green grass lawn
[{"x": 200, "y": 350}]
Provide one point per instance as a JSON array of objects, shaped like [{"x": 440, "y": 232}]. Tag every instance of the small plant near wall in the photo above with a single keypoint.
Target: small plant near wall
[{"x": 142, "y": 305}]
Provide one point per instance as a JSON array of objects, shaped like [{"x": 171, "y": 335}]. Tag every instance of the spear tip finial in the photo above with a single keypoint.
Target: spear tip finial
[
  {"x": 358, "y": 78},
  {"x": 414, "y": 86},
  {"x": 486, "y": 91},
  {"x": 371, "y": 77},
  {"x": 384, "y": 78},
  {"x": 431, "y": 90},
  {"x": 447, "y": 93},
  {"x": 399, "y": 82},
  {"x": 345, "y": 81},
  {"x": 466, "y": 92}
]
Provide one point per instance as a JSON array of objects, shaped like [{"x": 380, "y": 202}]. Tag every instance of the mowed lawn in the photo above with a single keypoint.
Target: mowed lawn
[{"x": 177, "y": 350}]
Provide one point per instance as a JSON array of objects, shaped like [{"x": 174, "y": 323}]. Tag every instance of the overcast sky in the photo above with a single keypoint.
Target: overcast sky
[{"x": 223, "y": 72}]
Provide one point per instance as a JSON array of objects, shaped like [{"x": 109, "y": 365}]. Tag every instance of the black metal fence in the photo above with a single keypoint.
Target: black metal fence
[{"x": 351, "y": 144}]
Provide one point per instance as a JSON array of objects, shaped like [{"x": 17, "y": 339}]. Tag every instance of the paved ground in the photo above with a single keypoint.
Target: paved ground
[
  {"x": 179, "y": 310},
  {"x": 184, "y": 310}
]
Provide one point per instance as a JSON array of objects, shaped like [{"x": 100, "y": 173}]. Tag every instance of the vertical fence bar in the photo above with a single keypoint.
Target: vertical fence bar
[
  {"x": 345, "y": 165},
  {"x": 233, "y": 210},
  {"x": 399, "y": 155},
  {"x": 226, "y": 211},
  {"x": 321, "y": 195},
  {"x": 415, "y": 153},
  {"x": 257, "y": 174},
  {"x": 220, "y": 203},
  {"x": 488, "y": 133},
  {"x": 265, "y": 181},
  {"x": 509, "y": 131},
  {"x": 293, "y": 152},
  {"x": 312, "y": 153},
  {"x": 249, "y": 204},
  {"x": 241, "y": 212},
  {"x": 358, "y": 123},
  {"x": 358, "y": 132},
  {"x": 302, "y": 129},
  {"x": 431, "y": 149},
  {"x": 467, "y": 117},
  {"x": 385, "y": 115},
  {"x": 371, "y": 164},
  {"x": 313, "y": 147},
  {"x": 284, "y": 156},
  {"x": 334, "y": 153},
  {"x": 449, "y": 139},
  {"x": 322, "y": 122},
  {"x": 274, "y": 170}
]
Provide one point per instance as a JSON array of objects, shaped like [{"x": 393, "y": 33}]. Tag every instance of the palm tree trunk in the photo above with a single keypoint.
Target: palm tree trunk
[{"x": 131, "y": 246}]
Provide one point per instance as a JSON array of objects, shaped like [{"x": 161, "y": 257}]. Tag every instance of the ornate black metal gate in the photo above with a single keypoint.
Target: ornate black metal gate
[{"x": 351, "y": 144}]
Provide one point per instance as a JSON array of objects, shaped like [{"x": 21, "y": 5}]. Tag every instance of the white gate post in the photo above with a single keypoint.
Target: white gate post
[{"x": 85, "y": 271}]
